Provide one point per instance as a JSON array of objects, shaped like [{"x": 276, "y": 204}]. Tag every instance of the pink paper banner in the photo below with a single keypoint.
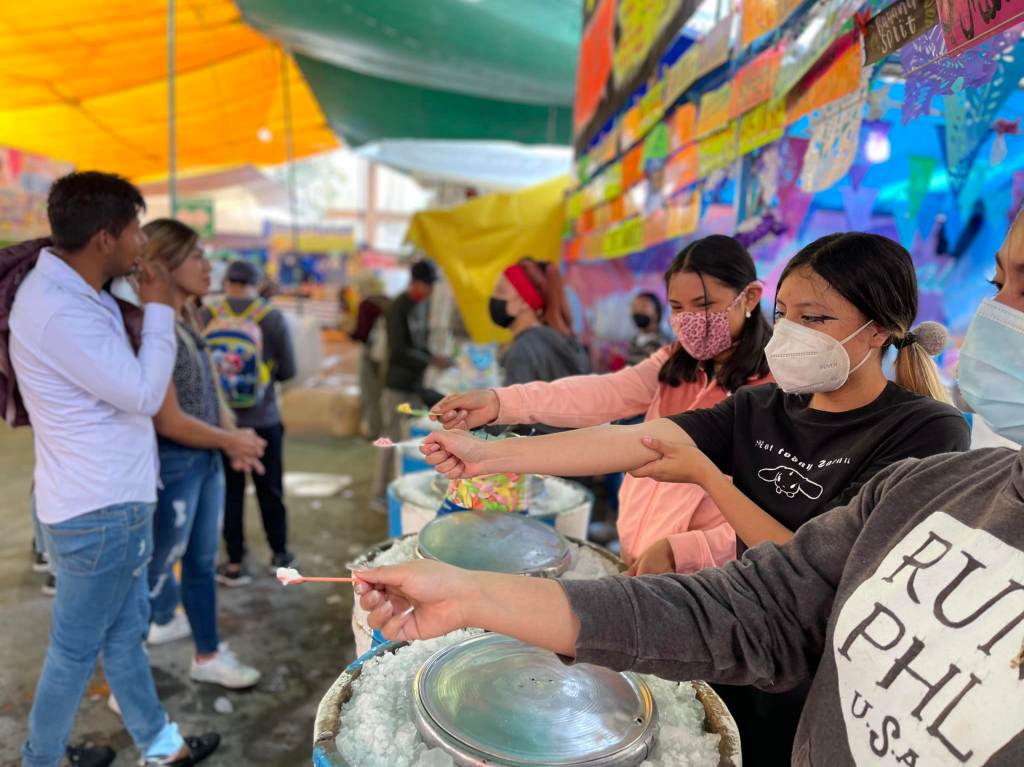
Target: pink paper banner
[{"x": 965, "y": 23}]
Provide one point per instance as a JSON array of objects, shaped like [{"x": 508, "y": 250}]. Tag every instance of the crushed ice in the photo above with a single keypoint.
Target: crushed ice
[{"x": 377, "y": 727}]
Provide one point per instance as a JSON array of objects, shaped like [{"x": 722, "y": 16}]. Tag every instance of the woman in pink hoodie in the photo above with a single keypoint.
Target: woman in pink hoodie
[{"x": 716, "y": 315}]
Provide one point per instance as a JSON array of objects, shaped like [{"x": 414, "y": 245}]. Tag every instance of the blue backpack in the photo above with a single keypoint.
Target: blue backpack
[{"x": 235, "y": 343}]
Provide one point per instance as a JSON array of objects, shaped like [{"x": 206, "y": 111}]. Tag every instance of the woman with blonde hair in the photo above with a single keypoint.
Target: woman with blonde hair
[{"x": 194, "y": 427}]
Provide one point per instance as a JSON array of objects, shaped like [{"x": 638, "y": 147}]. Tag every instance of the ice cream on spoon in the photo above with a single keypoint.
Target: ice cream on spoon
[{"x": 289, "y": 576}]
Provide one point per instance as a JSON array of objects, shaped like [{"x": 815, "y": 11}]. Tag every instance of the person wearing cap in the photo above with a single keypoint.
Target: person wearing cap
[
  {"x": 242, "y": 282},
  {"x": 408, "y": 357}
]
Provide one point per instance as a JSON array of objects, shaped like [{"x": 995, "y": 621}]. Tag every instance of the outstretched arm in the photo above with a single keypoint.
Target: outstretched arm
[{"x": 580, "y": 453}]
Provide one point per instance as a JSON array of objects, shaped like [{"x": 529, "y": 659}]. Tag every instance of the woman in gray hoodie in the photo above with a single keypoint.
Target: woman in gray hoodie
[{"x": 905, "y": 607}]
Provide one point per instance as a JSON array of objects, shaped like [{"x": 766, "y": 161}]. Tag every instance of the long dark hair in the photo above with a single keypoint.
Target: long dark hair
[
  {"x": 877, "y": 276},
  {"x": 726, "y": 260}
]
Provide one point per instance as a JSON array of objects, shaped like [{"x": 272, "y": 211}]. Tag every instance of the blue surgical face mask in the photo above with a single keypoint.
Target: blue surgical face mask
[{"x": 991, "y": 372}]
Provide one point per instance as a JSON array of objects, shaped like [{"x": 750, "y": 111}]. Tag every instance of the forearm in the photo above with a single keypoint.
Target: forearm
[
  {"x": 534, "y": 610},
  {"x": 191, "y": 432},
  {"x": 580, "y": 453},
  {"x": 753, "y": 525}
]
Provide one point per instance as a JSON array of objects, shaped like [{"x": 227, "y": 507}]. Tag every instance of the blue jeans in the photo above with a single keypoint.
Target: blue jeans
[
  {"x": 102, "y": 606},
  {"x": 186, "y": 527}
]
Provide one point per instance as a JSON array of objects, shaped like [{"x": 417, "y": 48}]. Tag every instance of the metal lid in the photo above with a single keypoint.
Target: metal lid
[
  {"x": 492, "y": 699},
  {"x": 497, "y": 541}
]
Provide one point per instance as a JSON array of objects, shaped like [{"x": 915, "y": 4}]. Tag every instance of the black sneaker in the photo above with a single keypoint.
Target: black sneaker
[
  {"x": 50, "y": 587},
  {"x": 201, "y": 747},
  {"x": 94, "y": 756},
  {"x": 284, "y": 559},
  {"x": 40, "y": 562},
  {"x": 232, "y": 575}
]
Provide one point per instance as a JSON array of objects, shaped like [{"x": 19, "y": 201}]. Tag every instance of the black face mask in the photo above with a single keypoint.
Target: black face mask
[
  {"x": 642, "y": 321},
  {"x": 498, "y": 308}
]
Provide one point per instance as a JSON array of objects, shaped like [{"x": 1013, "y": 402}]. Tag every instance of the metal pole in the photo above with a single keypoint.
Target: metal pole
[
  {"x": 172, "y": 148},
  {"x": 289, "y": 144}
]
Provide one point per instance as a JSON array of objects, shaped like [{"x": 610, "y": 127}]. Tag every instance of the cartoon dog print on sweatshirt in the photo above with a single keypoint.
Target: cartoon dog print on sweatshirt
[{"x": 789, "y": 482}]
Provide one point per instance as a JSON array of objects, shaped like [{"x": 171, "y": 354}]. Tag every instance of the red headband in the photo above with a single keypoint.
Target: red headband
[{"x": 526, "y": 290}]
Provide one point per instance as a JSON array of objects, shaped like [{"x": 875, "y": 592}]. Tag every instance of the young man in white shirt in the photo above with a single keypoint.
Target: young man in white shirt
[{"x": 91, "y": 401}]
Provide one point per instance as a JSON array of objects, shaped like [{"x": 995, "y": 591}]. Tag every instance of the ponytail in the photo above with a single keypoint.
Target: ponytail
[
  {"x": 547, "y": 280},
  {"x": 915, "y": 368}
]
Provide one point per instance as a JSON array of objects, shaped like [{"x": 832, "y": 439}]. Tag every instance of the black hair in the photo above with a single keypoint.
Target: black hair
[
  {"x": 726, "y": 260},
  {"x": 659, "y": 308},
  {"x": 82, "y": 204},
  {"x": 872, "y": 272},
  {"x": 424, "y": 271},
  {"x": 877, "y": 276}
]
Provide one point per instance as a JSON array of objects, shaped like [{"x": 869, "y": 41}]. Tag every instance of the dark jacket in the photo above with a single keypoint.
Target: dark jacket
[
  {"x": 16, "y": 262},
  {"x": 408, "y": 352}
]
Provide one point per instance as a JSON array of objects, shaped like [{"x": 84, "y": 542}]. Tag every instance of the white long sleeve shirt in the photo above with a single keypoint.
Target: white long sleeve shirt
[{"x": 90, "y": 399}]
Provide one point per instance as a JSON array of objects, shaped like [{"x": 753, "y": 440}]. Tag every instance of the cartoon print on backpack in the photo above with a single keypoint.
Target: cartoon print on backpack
[
  {"x": 235, "y": 342},
  {"x": 789, "y": 482}
]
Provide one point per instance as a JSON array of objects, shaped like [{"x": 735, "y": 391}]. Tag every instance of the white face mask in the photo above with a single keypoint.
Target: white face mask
[
  {"x": 806, "y": 361},
  {"x": 991, "y": 369}
]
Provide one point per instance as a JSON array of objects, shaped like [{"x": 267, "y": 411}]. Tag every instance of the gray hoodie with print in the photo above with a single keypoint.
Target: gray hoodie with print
[{"x": 905, "y": 607}]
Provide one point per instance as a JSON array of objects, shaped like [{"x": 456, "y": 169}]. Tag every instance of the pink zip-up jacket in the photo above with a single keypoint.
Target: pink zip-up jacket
[{"x": 648, "y": 510}]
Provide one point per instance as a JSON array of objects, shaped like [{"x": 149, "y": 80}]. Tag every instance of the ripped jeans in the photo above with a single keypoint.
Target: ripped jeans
[
  {"x": 101, "y": 608},
  {"x": 186, "y": 528}
]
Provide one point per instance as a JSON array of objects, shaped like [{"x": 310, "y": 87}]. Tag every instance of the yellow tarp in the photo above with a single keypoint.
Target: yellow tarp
[
  {"x": 475, "y": 241},
  {"x": 85, "y": 81}
]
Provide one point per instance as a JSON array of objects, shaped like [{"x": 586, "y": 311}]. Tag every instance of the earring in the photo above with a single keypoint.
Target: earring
[{"x": 748, "y": 314}]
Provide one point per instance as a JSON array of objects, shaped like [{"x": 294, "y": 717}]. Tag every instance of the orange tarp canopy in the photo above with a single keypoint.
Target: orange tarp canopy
[{"x": 86, "y": 81}]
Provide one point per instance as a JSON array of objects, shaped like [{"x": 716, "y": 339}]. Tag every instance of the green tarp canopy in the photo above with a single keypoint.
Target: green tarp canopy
[{"x": 441, "y": 69}]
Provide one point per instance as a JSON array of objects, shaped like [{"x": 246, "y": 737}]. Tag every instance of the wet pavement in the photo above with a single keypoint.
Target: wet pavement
[{"x": 300, "y": 637}]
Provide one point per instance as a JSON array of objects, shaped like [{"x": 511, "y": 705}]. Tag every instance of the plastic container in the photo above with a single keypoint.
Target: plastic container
[{"x": 414, "y": 500}]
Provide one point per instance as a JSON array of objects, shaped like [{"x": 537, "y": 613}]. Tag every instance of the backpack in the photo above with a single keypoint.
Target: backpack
[{"x": 235, "y": 343}]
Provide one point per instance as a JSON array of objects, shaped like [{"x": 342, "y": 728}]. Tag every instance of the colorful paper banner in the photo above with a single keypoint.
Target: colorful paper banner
[
  {"x": 919, "y": 178},
  {"x": 682, "y": 74},
  {"x": 652, "y": 107},
  {"x": 897, "y": 25},
  {"x": 966, "y": 23},
  {"x": 640, "y": 24},
  {"x": 684, "y": 126},
  {"x": 595, "y": 63},
  {"x": 714, "y": 110},
  {"x": 656, "y": 145},
  {"x": 714, "y": 47},
  {"x": 817, "y": 29},
  {"x": 633, "y": 166},
  {"x": 762, "y": 126},
  {"x": 858, "y": 204},
  {"x": 755, "y": 83},
  {"x": 836, "y": 74},
  {"x": 684, "y": 215},
  {"x": 717, "y": 151},
  {"x": 835, "y": 139},
  {"x": 682, "y": 170},
  {"x": 759, "y": 18}
]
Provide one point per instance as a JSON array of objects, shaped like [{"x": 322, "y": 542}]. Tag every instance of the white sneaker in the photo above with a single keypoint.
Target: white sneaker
[
  {"x": 226, "y": 670},
  {"x": 178, "y": 628}
]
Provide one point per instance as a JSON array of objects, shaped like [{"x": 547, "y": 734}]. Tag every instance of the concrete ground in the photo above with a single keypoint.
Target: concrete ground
[{"x": 300, "y": 638}]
